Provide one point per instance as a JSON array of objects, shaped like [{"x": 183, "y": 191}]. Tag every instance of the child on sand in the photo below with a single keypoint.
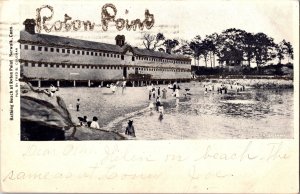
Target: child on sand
[
  {"x": 130, "y": 129},
  {"x": 94, "y": 123}
]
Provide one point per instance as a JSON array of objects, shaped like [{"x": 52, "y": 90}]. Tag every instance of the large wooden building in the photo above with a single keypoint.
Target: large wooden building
[{"x": 65, "y": 61}]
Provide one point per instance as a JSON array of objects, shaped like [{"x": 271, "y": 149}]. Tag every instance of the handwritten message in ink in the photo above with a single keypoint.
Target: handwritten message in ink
[{"x": 105, "y": 164}]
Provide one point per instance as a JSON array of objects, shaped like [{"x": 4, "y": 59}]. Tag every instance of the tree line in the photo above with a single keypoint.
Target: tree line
[{"x": 233, "y": 47}]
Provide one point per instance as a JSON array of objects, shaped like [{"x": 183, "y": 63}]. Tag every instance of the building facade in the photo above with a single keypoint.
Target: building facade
[{"x": 64, "y": 61}]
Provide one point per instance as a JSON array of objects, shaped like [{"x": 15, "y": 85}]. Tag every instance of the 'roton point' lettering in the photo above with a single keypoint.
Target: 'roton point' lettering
[{"x": 108, "y": 15}]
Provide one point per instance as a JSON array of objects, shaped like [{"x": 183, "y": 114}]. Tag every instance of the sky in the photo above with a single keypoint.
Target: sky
[{"x": 175, "y": 19}]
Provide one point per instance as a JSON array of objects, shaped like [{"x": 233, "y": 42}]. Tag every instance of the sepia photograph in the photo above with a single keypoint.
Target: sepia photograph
[{"x": 228, "y": 84}]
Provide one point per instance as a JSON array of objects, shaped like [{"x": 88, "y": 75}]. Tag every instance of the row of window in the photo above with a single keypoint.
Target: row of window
[
  {"x": 93, "y": 53},
  {"x": 100, "y": 67}
]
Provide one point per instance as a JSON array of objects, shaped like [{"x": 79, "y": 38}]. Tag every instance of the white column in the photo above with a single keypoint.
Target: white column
[
  {"x": 57, "y": 83},
  {"x": 74, "y": 83},
  {"x": 102, "y": 84},
  {"x": 89, "y": 83}
]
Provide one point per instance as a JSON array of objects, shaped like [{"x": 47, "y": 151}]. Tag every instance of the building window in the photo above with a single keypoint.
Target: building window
[
  {"x": 51, "y": 49},
  {"x": 32, "y": 48},
  {"x": 39, "y": 65},
  {"x": 40, "y": 48},
  {"x": 107, "y": 55},
  {"x": 45, "y": 48},
  {"x": 51, "y": 65},
  {"x": 63, "y": 51},
  {"x": 78, "y": 52},
  {"x": 132, "y": 58},
  {"x": 68, "y": 51},
  {"x": 100, "y": 54},
  {"x": 26, "y": 64},
  {"x": 96, "y": 54},
  {"x": 63, "y": 66},
  {"x": 57, "y": 50},
  {"x": 92, "y": 53},
  {"x": 26, "y": 47},
  {"x": 87, "y": 53},
  {"x": 122, "y": 57},
  {"x": 32, "y": 64},
  {"x": 68, "y": 66},
  {"x": 73, "y": 51},
  {"x": 82, "y": 52},
  {"x": 45, "y": 65}
]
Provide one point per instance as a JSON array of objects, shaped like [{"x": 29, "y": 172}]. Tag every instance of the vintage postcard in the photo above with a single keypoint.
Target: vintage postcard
[{"x": 149, "y": 96}]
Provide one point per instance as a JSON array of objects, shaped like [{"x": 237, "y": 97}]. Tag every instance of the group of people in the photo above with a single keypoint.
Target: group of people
[
  {"x": 50, "y": 92},
  {"x": 156, "y": 92},
  {"x": 222, "y": 88},
  {"x": 92, "y": 124},
  {"x": 114, "y": 86}
]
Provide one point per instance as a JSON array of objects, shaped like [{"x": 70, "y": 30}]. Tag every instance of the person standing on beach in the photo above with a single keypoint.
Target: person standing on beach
[
  {"x": 174, "y": 86},
  {"x": 77, "y": 104},
  {"x": 153, "y": 92},
  {"x": 164, "y": 93},
  {"x": 123, "y": 86},
  {"x": 177, "y": 92},
  {"x": 157, "y": 103},
  {"x": 130, "y": 129},
  {"x": 158, "y": 91},
  {"x": 150, "y": 94},
  {"x": 161, "y": 112}
]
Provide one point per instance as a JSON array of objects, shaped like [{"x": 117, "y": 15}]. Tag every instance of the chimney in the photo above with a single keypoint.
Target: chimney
[
  {"x": 29, "y": 26},
  {"x": 120, "y": 40}
]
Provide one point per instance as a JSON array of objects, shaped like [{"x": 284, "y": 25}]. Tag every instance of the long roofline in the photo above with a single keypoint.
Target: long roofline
[{"x": 72, "y": 43}]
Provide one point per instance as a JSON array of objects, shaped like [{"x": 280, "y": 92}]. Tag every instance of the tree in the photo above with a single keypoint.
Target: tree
[
  {"x": 193, "y": 49},
  {"x": 230, "y": 46},
  {"x": 249, "y": 47},
  {"x": 170, "y": 44},
  {"x": 280, "y": 51},
  {"x": 151, "y": 42},
  {"x": 264, "y": 49},
  {"x": 289, "y": 50},
  {"x": 212, "y": 41}
]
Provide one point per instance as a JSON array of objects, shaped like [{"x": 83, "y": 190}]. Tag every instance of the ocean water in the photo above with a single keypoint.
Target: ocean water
[{"x": 253, "y": 113}]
